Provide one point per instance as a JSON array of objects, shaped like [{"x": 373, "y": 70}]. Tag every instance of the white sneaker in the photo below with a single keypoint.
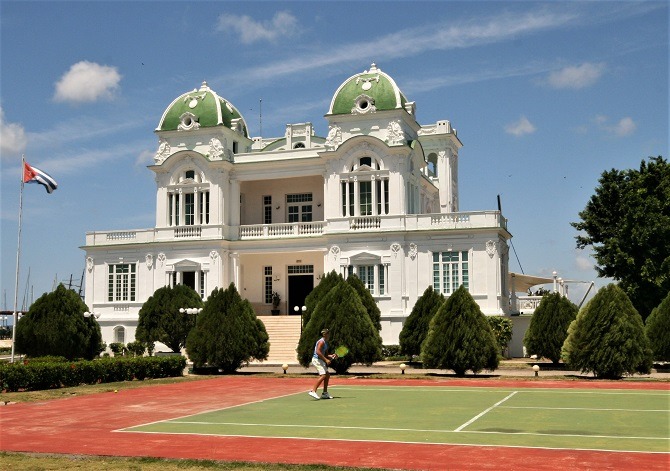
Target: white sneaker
[
  {"x": 326, "y": 396},
  {"x": 313, "y": 394}
]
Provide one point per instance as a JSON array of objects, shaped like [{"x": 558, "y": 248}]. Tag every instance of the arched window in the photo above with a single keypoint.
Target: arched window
[
  {"x": 431, "y": 168},
  {"x": 299, "y": 145},
  {"x": 365, "y": 192},
  {"x": 188, "y": 200},
  {"x": 120, "y": 334}
]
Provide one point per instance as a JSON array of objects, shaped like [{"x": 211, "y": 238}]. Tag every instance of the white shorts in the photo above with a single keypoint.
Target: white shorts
[{"x": 320, "y": 366}]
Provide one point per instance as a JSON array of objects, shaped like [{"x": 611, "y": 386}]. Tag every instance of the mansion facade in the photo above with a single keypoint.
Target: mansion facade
[{"x": 376, "y": 197}]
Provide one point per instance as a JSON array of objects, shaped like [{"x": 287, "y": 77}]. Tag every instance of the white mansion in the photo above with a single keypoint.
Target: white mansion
[{"x": 377, "y": 197}]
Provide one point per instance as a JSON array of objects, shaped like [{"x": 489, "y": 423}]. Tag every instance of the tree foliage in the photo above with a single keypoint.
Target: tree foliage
[
  {"x": 327, "y": 282},
  {"x": 657, "y": 329},
  {"x": 607, "y": 337},
  {"x": 415, "y": 329},
  {"x": 161, "y": 321},
  {"x": 227, "y": 333},
  {"x": 627, "y": 222},
  {"x": 502, "y": 328},
  {"x": 367, "y": 300},
  {"x": 459, "y": 337},
  {"x": 548, "y": 327},
  {"x": 342, "y": 312},
  {"x": 55, "y": 325}
]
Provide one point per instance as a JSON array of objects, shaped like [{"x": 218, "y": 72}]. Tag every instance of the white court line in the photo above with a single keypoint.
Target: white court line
[
  {"x": 388, "y": 429},
  {"x": 484, "y": 412},
  {"x": 584, "y": 408},
  {"x": 632, "y": 392}
]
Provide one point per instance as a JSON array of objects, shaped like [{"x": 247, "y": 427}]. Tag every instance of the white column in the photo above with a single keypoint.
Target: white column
[
  {"x": 373, "y": 189},
  {"x": 196, "y": 207},
  {"x": 357, "y": 211}
]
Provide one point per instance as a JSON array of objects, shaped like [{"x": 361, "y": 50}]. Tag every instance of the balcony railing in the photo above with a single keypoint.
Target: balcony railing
[
  {"x": 410, "y": 222},
  {"x": 526, "y": 304}
]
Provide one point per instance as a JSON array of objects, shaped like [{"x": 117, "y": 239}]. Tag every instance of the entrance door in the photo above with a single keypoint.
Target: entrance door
[{"x": 299, "y": 286}]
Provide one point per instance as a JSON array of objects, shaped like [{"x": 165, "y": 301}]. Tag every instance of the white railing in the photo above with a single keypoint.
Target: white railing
[
  {"x": 527, "y": 304},
  {"x": 297, "y": 229},
  {"x": 410, "y": 222}
]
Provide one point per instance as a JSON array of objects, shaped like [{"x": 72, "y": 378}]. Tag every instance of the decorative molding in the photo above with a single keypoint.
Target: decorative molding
[
  {"x": 334, "y": 138},
  {"x": 216, "y": 148},
  {"x": 192, "y": 100},
  {"x": 491, "y": 248},
  {"x": 413, "y": 250},
  {"x": 89, "y": 264},
  {"x": 214, "y": 255},
  {"x": 395, "y": 136},
  {"x": 364, "y": 104},
  {"x": 149, "y": 260},
  {"x": 367, "y": 82},
  {"x": 188, "y": 122},
  {"x": 395, "y": 248},
  {"x": 163, "y": 151},
  {"x": 161, "y": 259},
  {"x": 335, "y": 252}
]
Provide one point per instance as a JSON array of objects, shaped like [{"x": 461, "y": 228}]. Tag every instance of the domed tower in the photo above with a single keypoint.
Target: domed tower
[
  {"x": 199, "y": 134},
  {"x": 202, "y": 121},
  {"x": 370, "y": 103}
]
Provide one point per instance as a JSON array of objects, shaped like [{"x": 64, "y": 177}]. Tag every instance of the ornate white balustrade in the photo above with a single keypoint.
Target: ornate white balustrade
[{"x": 410, "y": 222}]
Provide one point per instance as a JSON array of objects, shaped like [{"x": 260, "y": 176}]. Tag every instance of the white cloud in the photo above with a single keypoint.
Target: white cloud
[
  {"x": 12, "y": 137},
  {"x": 576, "y": 76},
  {"x": 87, "y": 82},
  {"x": 584, "y": 262},
  {"x": 625, "y": 127},
  {"x": 251, "y": 31},
  {"x": 434, "y": 37},
  {"x": 520, "y": 127},
  {"x": 144, "y": 158}
]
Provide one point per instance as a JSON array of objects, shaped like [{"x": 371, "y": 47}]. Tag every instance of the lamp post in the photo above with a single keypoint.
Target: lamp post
[
  {"x": 402, "y": 368},
  {"x": 96, "y": 315},
  {"x": 284, "y": 367},
  {"x": 536, "y": 369},
  {"x": 190, "y": 310}
]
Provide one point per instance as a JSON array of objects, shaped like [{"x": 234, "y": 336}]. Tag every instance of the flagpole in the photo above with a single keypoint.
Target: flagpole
[{"x": 18, "y": 258}]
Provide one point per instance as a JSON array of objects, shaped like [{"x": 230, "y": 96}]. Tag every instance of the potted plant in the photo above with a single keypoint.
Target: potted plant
[{"x": 276, "y": 299}]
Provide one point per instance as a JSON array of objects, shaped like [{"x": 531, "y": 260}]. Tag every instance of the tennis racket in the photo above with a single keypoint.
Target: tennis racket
[{"x": 341, "y": 351}]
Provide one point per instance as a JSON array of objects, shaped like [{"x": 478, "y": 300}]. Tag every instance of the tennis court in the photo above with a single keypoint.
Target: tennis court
[{"x": 621, "y": 420}]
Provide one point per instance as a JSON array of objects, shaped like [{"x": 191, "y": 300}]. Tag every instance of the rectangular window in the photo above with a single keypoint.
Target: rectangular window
[
  {"x": 267, "y": 273},
  {"x": 170, "y": 209},
  {"x": 386, "y": 196},
  {"x": 267, "y": 209},
  {"x": 121, "y": 282},
  {"x": 297, "y": 212},
  {"x": 189, "y": 209},
  {"x": 382, "y": 280},
  {"x": 202, "y": 285},
  {"x": 450, "y": 270},
  {"x": 344, "y": 198},
  {"x": 351, "y": 199},
  {"x": 204, "y": 207},
  {"x": 300, "y": 269},
  {"x": 235, "y": 147},
  {"x": 176, "y": 209},
  {"x": 367, "y": 275},
  {"x": 365, "y": 198}
]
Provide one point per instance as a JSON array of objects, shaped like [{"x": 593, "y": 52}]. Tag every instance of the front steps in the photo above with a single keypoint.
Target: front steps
[{"x": 284, "y": 333}]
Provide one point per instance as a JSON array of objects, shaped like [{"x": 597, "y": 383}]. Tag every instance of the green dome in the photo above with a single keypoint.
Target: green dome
[
  {"x": 201, "y": 108},
  {"x": 367, "y": 91}
]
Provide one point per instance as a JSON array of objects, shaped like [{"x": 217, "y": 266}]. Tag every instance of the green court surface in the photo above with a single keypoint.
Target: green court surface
[{"x": 586, "y": 419}]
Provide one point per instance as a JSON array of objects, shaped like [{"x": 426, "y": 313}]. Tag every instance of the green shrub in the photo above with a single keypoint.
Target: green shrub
[
  {"x": 136, "y": 348},
  {"x": 502, "y": 328},
  {"x": 459, "y": 337},
  {"x": 227, "y": 333},
  {"x": 548, "y": 327},
  {"x": 48, "y": 375},
  {"x": 607, "y": 337},
  {"x": 327, "y": 282},
  {"x": 367, "y": 300},
  {"x": 415, "y": 328},
  {"x": 55, "y": 325},
  {"x": 117, "y": 348},
  {"x": 657, "y": 329}
]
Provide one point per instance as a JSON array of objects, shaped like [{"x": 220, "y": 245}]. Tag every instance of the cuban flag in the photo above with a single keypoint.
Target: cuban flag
[{"x": 35, "y": 175}]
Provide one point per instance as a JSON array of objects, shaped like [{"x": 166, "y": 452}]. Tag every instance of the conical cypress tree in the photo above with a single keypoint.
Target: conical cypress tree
[
  {"x": 161, "y": 321},
  {"x": 343, "y": 313},
  {"x": 459, "y": 337},
  {"x": 548, "y": 327},
  {"x": 657, "y": 329},
  {"x": 55, "y": 325},
  {"x": 607, "y": 337},
  {"x": 367, "y": 300},
  {"x": 327, "y": 282},
  {"x": 227, "y": 333},
  {"x": 415, "y": 329}
]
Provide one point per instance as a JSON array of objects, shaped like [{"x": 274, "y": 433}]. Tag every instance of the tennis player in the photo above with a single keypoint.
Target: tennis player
[{"x": 321, "y": 360}]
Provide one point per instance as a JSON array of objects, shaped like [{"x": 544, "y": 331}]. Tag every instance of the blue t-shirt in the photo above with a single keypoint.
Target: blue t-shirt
[{"x": 325, "y": 347}]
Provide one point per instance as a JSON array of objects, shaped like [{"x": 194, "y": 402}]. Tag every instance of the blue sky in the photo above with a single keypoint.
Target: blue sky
[{"x": 545, "y": 97}]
